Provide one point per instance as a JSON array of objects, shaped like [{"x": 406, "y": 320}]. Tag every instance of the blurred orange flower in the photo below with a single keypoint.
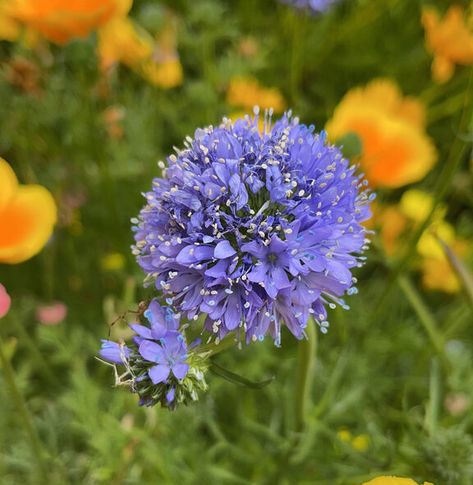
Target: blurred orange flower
[
  {"x": 62, "y": 20},
  {"x": 27, "y": 217},
  {"x": 396, "y": 149},
  {"x": 450, "y": 40},
  {"x": 113, "y": 117},
  {"x": 246, "y": 92}
]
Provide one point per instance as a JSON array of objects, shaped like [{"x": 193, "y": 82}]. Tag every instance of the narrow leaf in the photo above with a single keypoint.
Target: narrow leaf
[{"x": 237, "y": 379}]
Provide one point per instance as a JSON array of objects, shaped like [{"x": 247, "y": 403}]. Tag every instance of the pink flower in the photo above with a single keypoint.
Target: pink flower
[
  {"x": 5, "y": 301},
  {"x": 51, "y": 314}
]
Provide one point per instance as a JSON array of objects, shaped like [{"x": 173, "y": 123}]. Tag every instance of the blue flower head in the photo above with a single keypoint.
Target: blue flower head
[{"x": 255, "y": 230}]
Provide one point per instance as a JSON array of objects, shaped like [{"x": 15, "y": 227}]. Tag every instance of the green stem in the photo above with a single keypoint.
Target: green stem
[
  {"x": 236, "y": 378},
  {"x": 423, "y": 312},
  {"x": 304, "y": 376},
  {"x": 22, "y": 410},
  {"x": 432, "y": 414}
]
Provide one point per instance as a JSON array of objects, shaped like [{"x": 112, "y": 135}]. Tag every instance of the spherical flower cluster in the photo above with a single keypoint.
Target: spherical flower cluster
[
  {"x": 313, "y": 6},
  {"x": 160, "y": 367},
  {"x": 254, "y": 229}
]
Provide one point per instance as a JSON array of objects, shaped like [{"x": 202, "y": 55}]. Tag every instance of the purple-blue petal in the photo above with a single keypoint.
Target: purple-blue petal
[
  {"x": 223, "y": 250},
  {"x": 180, "y": 370},
  {"x": 114, "y": 352},
  {"x": 151, "y": 351},
  {"x": 159, "y": 373}
]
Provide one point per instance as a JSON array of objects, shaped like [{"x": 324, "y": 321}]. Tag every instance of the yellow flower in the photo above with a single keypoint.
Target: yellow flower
[
  {"x": 394, "y": 222},
  {"x": 429, "y": 246},
  {"x": 344, "y": 435},
  {"x": 113, "y": 262},
  {"x": 437, "y": 272},
  {"x": 246, "y": 92},
  {"x": 396, "y": 149},
  {"x": 9, "y": 28},
  {"x": 449, "y": 39},
  {"x": 27, "y": 217},
  {"x": 62, "y": 20},
  {"x": 167, "y": 74},
  {"x": 417, "y": 204},
  {"x": 121, "y": 40},
  {"x": 359, "y": 442},
  {"x": 385, "y": 480}
]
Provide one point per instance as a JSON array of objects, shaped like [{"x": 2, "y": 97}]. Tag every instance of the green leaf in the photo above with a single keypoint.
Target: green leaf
[
  {"x": 237, "y": 379},
  {"x": 350, "y": 144}
]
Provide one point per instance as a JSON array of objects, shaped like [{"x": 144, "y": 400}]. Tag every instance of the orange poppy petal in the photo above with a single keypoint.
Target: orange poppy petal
[
  {"x": 26, "y": 223},
  {"x": 8, "y": 183},
  {"x": 62, "y": 20},
  {"x": 396, "y": 149}
]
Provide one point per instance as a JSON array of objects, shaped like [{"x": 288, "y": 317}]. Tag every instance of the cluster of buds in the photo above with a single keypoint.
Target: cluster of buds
[{"x": 158, "y": 364}]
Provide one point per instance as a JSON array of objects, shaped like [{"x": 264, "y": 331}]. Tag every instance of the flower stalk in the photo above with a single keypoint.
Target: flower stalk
[
  {"x": 304, "y": 376},
  {"x": 25, "y": 417}
]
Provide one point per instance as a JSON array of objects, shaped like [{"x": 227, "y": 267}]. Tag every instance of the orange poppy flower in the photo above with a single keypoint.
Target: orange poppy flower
[
  {"x": 27, "y": 217},
  {"x": 62, "y": 20},
  {"x": 396, "y": 149},
  {"x": 449, "y": 39}
]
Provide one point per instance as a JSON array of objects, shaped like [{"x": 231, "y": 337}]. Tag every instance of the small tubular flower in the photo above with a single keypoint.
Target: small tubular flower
[
  {"x": 449, "y": 39},
  {"x": 27, "y": 217},
  {"x": 62, "y": 20},
  {"x": 254, "y": 229},
  {"x": 396, "y": 149}
]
